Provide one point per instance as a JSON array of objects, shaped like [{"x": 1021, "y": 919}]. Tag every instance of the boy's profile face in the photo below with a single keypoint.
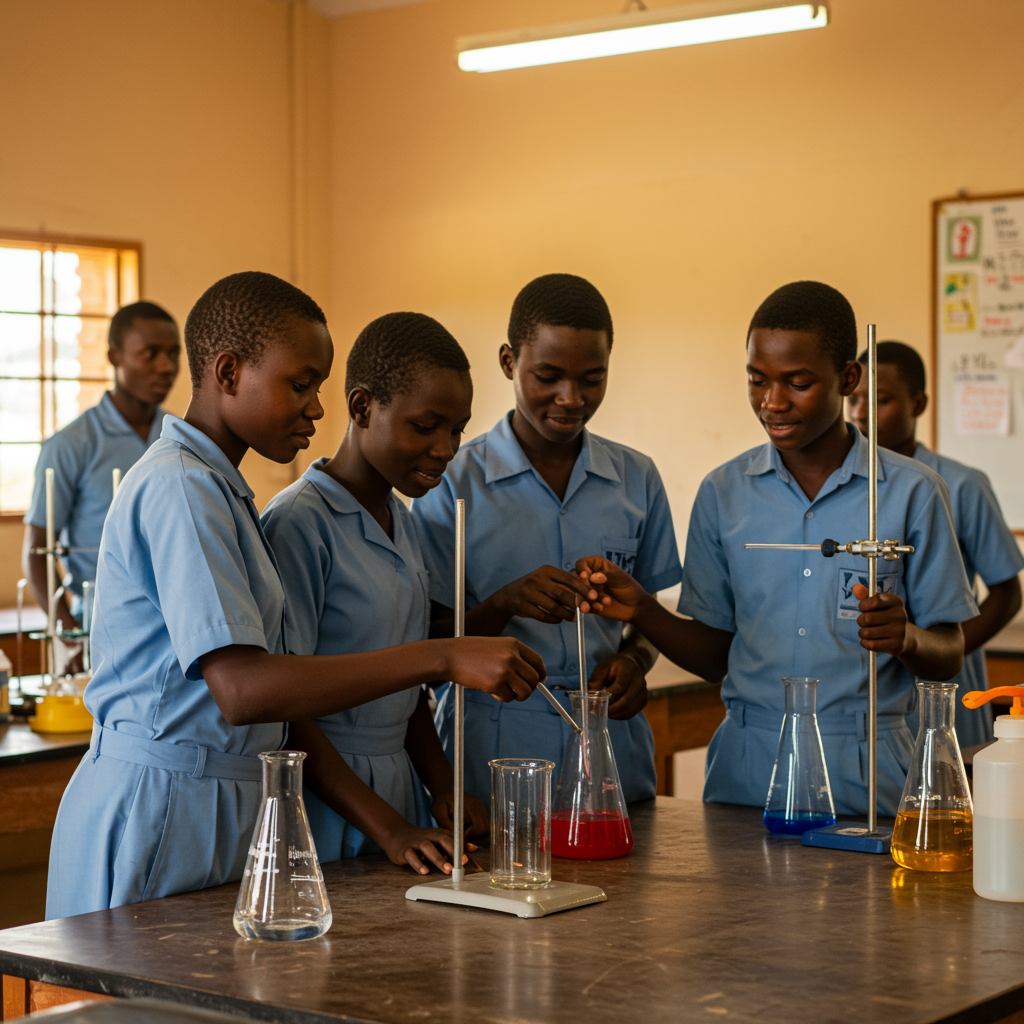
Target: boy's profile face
[
  {"x": 560, "y": 379},
  {"x": 412, "y": 439},
  {"x": 146, "y": 364},
  {"x": 794, "y": 387},
  {"x": 898, "y": 409}
]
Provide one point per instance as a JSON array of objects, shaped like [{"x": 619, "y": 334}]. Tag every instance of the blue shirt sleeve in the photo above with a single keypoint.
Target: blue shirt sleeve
[
  {"x": 706, "y": 593},
  {"x": 989, "y": 542},
  {"x": 187, "y": 529},
  {"x": 933, "y": 577},
  {"x": 657, "y": 559},
  {"x": 304, "y": 562},
  {"x": 56, "y": 453},
  {"x": 434, "y": 515}
]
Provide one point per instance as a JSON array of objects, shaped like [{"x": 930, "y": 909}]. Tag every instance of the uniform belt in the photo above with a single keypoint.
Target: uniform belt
[
  {"x": 366, "y": 739},
  {"x": 199, "y": 762},
  {"x": 830, "y": 723}
]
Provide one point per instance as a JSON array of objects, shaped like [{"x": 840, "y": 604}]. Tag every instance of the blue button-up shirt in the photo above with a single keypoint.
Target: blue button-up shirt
[{"x": 83, "y": 456}]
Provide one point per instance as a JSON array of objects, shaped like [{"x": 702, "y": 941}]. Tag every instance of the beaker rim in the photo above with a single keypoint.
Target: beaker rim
[
  {"x": 533, "y": 763},
  {"x": 282, "y": 755}
]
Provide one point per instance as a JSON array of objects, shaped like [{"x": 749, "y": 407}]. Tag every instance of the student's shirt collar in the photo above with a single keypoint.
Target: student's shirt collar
[
  {"x": 506, "y": 458},
  {"x": 115, "y": 425},
  {"x": 856, "y": 463},
  {"x": 207, "y": 450},
  {"x": 339, "y": 498}
]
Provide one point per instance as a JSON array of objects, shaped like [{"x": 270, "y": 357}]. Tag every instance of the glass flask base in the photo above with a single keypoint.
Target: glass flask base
[
  {"x": 278, "y": 930},
  {"x": 934, "y": 841},
  {"x": 796, "y": 824},
  {"x": 600, "y": 835}
]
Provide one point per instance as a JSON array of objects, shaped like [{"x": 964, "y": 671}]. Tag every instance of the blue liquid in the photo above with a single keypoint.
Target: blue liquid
[{"x": 801, "y": 822}]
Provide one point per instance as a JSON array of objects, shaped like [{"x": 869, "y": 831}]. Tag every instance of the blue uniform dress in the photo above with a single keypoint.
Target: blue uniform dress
[
  {"x": 83, "y": 457},
  {"x": 168, "y": 794},
  {"x": 350, "y": 588},
  {"x": 990, "y": 551},
  {"x": 793, "y": 613},
  {"x": 615, "y": 506}
]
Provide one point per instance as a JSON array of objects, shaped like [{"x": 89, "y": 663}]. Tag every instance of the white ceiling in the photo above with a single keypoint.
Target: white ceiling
[{"x": 337, "y": 8}]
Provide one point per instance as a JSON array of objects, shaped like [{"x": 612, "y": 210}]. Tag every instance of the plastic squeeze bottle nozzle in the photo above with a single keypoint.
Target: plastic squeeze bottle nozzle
[{"x": 999, "y": 802}]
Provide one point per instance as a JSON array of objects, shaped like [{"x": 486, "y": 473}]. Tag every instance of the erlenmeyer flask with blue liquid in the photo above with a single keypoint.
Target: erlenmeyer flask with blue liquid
[{"x": 799, "y": 797}]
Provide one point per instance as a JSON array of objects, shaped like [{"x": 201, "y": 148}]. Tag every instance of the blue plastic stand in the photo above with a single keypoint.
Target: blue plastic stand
[{"x": 849, "y": 835}]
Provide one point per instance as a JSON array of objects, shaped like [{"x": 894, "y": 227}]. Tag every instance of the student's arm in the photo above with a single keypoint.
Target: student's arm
[
  {"x": 700, "y": 649},
  {"x": 428, "y": 758},
  {"x": 328, "y": 775},
  {"x": 624, "y": 674},
  {"x": 250, "y": 685},
  {"x": 1001, "y": 605}
]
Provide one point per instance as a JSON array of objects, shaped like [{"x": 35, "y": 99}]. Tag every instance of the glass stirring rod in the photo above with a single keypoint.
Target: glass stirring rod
[{"x": 581, "y": 652}]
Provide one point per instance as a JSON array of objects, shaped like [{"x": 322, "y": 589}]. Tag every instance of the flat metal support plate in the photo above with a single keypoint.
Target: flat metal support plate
[
  {"x": 848, "y": 835},
  {"x": 477, "y": 891}
]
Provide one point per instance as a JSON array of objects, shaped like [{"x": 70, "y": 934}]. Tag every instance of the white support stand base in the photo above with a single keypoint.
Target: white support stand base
[{"x": 477, "y": 891}]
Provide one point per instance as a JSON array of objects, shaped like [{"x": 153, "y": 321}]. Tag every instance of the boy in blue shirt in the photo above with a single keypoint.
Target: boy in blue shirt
[
  {"x": 760, "y": 615},
  {"x": 987, "y": 544},
  {"x": 193, "y": 679},
  {"x": 541, "y": 492},
  {"x": 144, "y": 348}
]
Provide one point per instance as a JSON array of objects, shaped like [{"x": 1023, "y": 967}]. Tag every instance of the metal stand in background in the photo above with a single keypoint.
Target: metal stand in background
[
  {"x": 848, "y": 835},
  {"x": 477, "y": 891}
]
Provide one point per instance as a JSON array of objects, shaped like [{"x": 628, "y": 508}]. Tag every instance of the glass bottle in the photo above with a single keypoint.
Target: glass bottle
[
  {"x": 799, "y": 796},
  {"x": 934, "y": 828},
  {"x": 282, "y": 896},
  {"x": 589, "y": 820}
]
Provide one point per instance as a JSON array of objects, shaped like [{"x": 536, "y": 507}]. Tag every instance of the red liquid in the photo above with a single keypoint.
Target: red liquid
[{"x": 599, "y": 836}]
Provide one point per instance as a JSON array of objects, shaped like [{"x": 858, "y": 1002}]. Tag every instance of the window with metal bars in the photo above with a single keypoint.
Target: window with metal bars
[{"x": 57, "y": 296}]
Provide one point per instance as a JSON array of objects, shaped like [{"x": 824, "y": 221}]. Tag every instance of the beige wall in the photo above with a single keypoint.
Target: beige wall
[
  {"x": 686, "y": 184},
  {"x": 169, "y": 122}
]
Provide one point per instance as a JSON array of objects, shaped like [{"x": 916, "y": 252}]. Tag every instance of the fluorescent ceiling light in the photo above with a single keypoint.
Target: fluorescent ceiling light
[{"x": 634, "y": 32}]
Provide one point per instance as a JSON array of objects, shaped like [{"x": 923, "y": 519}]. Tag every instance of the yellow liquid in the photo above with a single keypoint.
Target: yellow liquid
[{"x": 936, "y": 841}]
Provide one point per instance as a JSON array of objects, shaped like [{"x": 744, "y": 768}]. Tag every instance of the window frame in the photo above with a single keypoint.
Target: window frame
[{"x": 43, "y": 241}]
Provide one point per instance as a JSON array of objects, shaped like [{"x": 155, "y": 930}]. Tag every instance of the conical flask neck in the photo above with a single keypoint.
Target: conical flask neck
[
  {"x": 597, "y": 709},
  {"x": 937, "y": 705},
  {"x": 801, "y": 695}
]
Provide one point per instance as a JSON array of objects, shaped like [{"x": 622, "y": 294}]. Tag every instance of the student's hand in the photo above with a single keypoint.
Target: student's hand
[
  {"x": 475, "y": 818},
  {"x": 546, "y": 594},
  {"x": 625, "y": 682},
  {"x": 614, "y": 594},
  {"x": 422, "y": 847},
  {"x": 498, "y": 665},
  {"x": 883, "y": 622}
]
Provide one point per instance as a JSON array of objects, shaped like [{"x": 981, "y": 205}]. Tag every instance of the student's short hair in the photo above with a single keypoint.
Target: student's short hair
[
  {"x": 816, "y": 308},
  {"x": 243, "y": 313},
  {"x": 906, "y": 360},
  {"x": 391, "y": 350},
  {"x": 558, "y": 300},
  {"x": 122, "y": 320}
]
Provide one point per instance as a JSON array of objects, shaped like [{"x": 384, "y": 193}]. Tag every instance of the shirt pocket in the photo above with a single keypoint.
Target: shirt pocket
[
  {"x": 621, "y": 551},
  {"x": 847, "y": 606}
]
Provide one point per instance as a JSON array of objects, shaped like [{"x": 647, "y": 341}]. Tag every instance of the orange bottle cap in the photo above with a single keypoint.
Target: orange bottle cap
[{"x": 975, "y": 698}]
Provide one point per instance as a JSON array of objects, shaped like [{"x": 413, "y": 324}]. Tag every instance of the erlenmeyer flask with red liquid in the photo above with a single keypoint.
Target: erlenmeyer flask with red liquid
[{"x": 589, "y": 819}]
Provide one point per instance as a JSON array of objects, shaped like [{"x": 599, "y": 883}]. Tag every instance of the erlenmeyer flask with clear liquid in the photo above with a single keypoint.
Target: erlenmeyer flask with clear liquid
[
  {"x": 934, "y": 828},
  {"x": 589, "y": 820},
  {"x": 799, "y": 796},
  {"x": 282, "y": 896}
]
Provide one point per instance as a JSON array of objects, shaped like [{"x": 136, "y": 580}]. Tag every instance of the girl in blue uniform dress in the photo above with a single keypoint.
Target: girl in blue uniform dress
[
  {"x": 354, "y": 580},
  {"x": 192, "y": 679}
]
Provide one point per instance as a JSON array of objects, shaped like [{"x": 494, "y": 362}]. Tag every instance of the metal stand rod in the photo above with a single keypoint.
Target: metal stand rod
[
  {"x": 872, "y": 575},
  {"x": 458, "y": 872},
  {"x": 51, "y": 578}
]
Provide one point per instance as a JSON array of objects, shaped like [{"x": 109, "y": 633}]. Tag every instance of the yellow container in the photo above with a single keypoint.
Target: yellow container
[{"x": 61, "y": 714}]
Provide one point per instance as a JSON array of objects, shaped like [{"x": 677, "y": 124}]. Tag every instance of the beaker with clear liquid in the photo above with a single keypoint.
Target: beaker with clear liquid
[
  {"x": 520, "y": 823},
  {"x": 589, "y": 820},
  {"x": 282, "y": 896},
  {"x": 934, "y": 828},
  {"x": 799, "y": 795}
]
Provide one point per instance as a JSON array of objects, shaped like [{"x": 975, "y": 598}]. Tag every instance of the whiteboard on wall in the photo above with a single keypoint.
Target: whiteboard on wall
[{"x": 978, "y": 337}]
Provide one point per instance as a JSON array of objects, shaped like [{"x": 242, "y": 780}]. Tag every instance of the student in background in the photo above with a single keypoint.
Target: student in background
[
  {"x": 988, "y": 547},
  {"x": 758, "y": 616},
  {"x": 541, "y": 492},
  {"x": 144, "y": 348},
  {"x": 354, "y": 580},
  {"x": 192, "y": 678}
]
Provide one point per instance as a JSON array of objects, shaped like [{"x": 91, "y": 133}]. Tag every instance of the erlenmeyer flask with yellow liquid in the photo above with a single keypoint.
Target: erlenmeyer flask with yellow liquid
[{"x": 934, "y": 828}]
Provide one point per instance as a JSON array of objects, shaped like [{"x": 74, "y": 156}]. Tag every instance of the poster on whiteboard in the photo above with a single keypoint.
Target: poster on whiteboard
[{"x": 979, "y": 340}]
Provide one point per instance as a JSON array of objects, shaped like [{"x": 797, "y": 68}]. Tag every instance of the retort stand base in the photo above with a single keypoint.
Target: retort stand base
[{"x": 477, "y": 891}]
